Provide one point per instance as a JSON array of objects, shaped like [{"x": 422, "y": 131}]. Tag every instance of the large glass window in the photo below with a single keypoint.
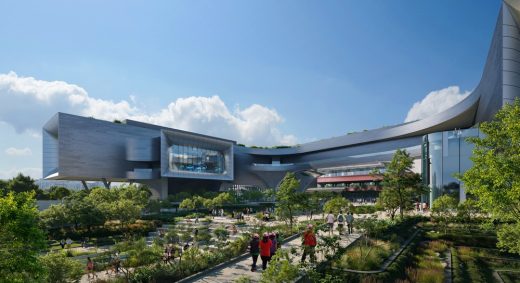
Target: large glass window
[{"x": 191, "y": 158}]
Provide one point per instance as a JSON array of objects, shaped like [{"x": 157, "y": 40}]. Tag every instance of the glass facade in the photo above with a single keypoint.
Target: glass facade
[
  {"x": 189, "y": 158},
  {"x": 448, "y": 154}
]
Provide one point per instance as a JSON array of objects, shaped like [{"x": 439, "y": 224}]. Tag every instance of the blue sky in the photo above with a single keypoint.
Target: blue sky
[{"x": 283, "y": 71}]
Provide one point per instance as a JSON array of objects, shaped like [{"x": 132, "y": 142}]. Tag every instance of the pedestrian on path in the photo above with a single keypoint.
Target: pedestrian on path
[
  {"x": 341, "y": 221},
  {"x": 350, "y": 222},
  {"x": 274, "y": 244},
  {"x": 309, "y": 244},
  {"x": 265, "y": 250},
  {"x": 330, "y": 221},
  {"x": 254, "y": 250},
  {"x": 90, "y": 268}
]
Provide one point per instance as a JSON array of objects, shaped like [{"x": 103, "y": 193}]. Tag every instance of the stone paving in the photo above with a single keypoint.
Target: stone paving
[{"x": 234, "y": 271}]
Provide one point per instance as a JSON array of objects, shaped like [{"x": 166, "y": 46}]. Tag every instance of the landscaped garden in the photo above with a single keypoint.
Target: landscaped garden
[{"x": 121, "y": 230}]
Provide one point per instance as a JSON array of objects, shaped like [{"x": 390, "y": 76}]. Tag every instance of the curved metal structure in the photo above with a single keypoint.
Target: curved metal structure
[{"x": 78, "y": 148}]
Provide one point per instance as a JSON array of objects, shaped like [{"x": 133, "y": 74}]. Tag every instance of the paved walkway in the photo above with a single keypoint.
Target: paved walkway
[
  {"x": 232, "y": 272},
  {"x": 243, "y": 268}
]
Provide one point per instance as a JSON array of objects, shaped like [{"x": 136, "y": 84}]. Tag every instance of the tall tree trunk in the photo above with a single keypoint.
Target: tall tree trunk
[{"x": 401, "y": 203}]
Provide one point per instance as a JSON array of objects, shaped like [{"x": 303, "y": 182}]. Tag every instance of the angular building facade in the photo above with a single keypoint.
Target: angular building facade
[{"x": 170, "y": 160}]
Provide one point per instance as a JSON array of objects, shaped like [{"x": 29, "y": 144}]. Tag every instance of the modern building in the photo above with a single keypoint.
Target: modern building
[{"x": 170, "y": 160}]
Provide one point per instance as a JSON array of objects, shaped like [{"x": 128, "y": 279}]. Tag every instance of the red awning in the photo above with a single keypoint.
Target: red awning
[{"x": 350, "y": 179}]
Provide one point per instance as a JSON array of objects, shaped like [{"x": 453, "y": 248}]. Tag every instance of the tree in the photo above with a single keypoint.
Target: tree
[
  {"x": 54, "y": 217},
  {"x": 400, "y": 179},
  {"x": 389, "y": 201},
  {"x": 287, "y": 198},
  {"x": 82, "y": 210},
  {"x": 467, "y": 210},
  {"x": 442, "y": 210},
  {"x": 494, "y": 178},
  {"x": 3, "y": 187},
  {"x": 22, "y": 183},
  {"x": 222, "y": 199},
  {"x": 56, "y": 192},
  {"x": 21, "y": 240},
  {"x": 336, "y": 204},
  {"x": 61, "y": 269},
  {"x": 193, "y": 203},
  {"x": 313, "y": 202}
]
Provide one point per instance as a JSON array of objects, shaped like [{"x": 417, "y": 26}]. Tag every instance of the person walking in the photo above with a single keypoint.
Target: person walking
[
  {"x": 309, "y": 244},
  {"x": 350, "y": 222},
  {"x": 265, "y": 250},
  {"x": 254, "y": 250},
  {"x": 90, "y": 268},
  {"x": 274, "y": 244},
  {"x": 330, "y": 221},
  {"x": 341, "y": 222}
]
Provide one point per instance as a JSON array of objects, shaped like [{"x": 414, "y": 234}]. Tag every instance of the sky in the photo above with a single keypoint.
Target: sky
[{"x": 259, "y": 72}]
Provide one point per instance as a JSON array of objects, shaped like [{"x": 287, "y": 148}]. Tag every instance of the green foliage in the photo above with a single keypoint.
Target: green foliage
[
  {"x": 178, "y": 197},
  {"x": 54, "y": 216},
  {"x": 280, "y": 269},
  {"x": 80, "y": 210},
  {"x": 509, "y": 237},
  {"x": 221, "y": 233},
  {"x": 58, "y": 192},
  {"x": 287, "y": 198},
  {"x": 366, "y": 257},
  {"x": 138, "y": 253},
  {"x": 87, "y": 209},
  {"x": 400, "y": 181},
  {"x": 389, "y": 200},
  {"x": 218, "y": 201},
  {"x": 442, "y": 210},
  {"x": 336, "y": 204},
  {"x": 313, "y": 202},
  {"x": 21, "y": 183},
  {"x": 193, "y": 203},
  {"x": 467, "y": 210},
  {"x": 494, "y": 178},
  {"x": 20, "y": 239},
  {"x": 329, "y": 245},
  {"x": 61, "y": 269},
  {"x": 243, "y": 279}
]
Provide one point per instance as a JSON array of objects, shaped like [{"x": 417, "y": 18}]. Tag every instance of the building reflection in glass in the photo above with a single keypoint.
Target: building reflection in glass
[
  {"x": 190, "y": 158},
  {"x": 448, "y": 155}
]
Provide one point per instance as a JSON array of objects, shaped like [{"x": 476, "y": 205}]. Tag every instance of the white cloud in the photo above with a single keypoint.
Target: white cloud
[
  {"x": 35, "y": 173},
  {"x": 26, "y": 103},
  {"x": 18, "y": 151},
  {"x": 436, "y": 102}
]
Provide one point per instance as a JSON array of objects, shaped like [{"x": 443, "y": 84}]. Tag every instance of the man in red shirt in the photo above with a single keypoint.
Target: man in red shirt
[
  {"x": 309, "y": 244},
  {"x": 265, "y": 250}
]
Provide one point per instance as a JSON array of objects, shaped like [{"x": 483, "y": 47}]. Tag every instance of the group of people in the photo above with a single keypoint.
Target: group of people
[
  {"x": 265, "y": 248},
  {"x": 341, "y": 219},
  {"x": 421, "y": 207},
  {"x": 67, "y": 242},
  {"x": 270, "y": 242},
  {"x": 217, "y": 212},
  {"x": 169, "y": 253}
]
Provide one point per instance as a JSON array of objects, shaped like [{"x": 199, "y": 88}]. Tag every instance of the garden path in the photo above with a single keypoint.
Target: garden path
[{"x": 232, "y": 272}]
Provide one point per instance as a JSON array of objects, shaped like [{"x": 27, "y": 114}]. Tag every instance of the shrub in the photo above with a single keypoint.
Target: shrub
[
  {"x": 280, "y": 269},
  {"x": 61, "y": 269}
]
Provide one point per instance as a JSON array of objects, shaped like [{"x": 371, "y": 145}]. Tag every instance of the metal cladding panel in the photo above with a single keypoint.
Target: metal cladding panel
[
  {"x": 91, "y": 149},
  {"x": 97, "y": 149},
  {"x": 142, "y": 149},
  {"x": 511, "y": 53}
]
